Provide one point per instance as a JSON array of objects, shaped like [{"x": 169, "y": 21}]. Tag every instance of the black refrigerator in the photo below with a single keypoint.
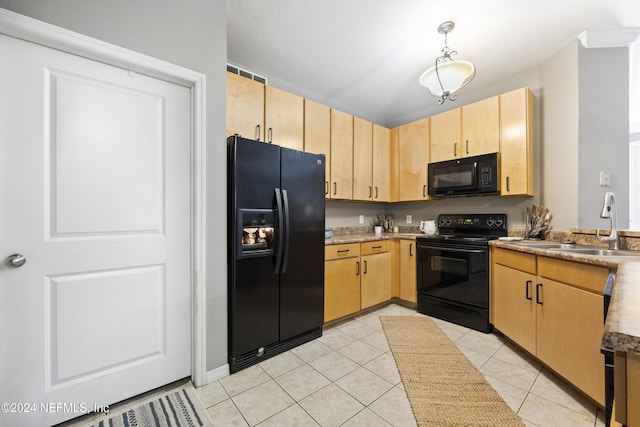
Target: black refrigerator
[{"x": 275, "y": 256}]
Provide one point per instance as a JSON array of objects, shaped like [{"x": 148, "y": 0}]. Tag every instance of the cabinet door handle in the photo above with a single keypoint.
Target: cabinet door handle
[
  {"x": 258, "y": 132},
  {"x": 326, "y": 187},
  {"x": 467, "y": 145},
  {"x": 455, "y": 149},
  {"x": 365, "y": 267},
  {"x": 507, "y": 184},
  {"x": 335, "y": 188},
  {"x": 538, "y": 287},
  {"x": 357, "y": 268},
  {"x": 410, "y": 249},
  {"x": 370, "y": 192},
  {"x": 527, "y": 286},
  {"x": 424, "y": 190},
  {"x": 270, "y": 135},
  {"x": 376, "y": 191}
]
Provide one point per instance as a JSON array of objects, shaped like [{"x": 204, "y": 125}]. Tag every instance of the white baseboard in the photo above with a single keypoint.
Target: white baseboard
[{"x": 217, "y": 373}]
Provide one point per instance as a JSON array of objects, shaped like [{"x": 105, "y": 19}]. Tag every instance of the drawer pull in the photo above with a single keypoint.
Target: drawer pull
[
  {"x": 376, "y": 248},
  {"x": 340, "y": 251}
]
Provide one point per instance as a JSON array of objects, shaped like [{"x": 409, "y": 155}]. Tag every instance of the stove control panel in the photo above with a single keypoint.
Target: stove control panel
[{"x": 477, "y": 222}]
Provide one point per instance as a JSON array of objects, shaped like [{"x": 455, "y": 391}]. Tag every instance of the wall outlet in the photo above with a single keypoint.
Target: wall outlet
[
  {"x": 361, "y": 219},
  {"x": 409, "y": 219},
  {"x": 605, "y": 178}
]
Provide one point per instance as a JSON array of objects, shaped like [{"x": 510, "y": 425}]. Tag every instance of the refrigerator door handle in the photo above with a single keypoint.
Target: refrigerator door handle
[
  {"x": 280, "y": 231},
  {"x": 285, "y": 257}
]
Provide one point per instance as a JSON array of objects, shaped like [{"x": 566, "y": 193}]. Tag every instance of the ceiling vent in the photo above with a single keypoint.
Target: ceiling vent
[{"x": 244, "y": 73}]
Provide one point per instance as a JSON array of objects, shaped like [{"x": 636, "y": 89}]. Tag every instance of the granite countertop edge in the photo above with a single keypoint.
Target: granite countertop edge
[
  {"x": 342, "y": 239},
  {"x": 622, "y": 326}
]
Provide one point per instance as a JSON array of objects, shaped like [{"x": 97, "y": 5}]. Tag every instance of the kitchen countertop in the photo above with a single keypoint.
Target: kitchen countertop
[
  {"x": 622, "y": 326},
  {"x": 367, "y": 237}
]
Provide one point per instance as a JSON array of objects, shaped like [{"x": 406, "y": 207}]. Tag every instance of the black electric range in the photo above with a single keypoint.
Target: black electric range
[{"x": 453, "y": 268}]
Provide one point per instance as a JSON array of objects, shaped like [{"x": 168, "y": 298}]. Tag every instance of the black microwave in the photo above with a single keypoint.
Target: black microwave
[{"x": 468, "y": 176}]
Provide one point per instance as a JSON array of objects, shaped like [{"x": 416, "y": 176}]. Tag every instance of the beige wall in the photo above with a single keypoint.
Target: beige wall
[{"x": 559, "y": 139}]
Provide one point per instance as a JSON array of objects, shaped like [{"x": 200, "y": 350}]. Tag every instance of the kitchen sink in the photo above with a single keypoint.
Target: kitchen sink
[
  {"x": 599, "y": 252},
  {"x": 547, "y": 245},
  {"x": 578, "y": 249}
]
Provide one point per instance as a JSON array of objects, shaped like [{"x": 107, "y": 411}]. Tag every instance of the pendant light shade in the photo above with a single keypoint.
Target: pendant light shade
[
  {"x": 454, "y": 74},
  {"x": 447, "y": 76}
]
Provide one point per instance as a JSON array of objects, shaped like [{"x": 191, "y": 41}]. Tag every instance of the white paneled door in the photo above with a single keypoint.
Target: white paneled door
[{"x": 95, "y": 197}]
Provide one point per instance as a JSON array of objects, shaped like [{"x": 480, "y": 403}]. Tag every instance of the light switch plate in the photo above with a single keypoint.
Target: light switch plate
[{"x": 605, "y": 178}]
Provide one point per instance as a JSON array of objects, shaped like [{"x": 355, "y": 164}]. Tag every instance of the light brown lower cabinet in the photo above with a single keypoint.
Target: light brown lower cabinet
[
  {"x": 375, "y": 281},
  {"x": 552, "y": 308},
  {"x": 626, "y": 410},
  {"x": 407, "y": 274},
  {"x": 341, "y": 281},
  {"x": 356, "y": 276}
]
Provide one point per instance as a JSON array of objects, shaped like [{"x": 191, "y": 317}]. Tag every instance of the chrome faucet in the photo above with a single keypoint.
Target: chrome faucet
[{"x": 610, "y": 210}]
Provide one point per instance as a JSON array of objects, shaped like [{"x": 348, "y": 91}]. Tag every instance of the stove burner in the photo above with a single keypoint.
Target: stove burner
[{"x": 472, "y": 227}]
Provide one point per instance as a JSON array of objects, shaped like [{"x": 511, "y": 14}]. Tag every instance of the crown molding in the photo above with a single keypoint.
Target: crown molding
[{"x": 609, "y": 38}]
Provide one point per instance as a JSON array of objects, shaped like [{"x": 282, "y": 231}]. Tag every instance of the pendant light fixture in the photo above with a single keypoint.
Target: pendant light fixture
[{"x": 448, "y": 75}]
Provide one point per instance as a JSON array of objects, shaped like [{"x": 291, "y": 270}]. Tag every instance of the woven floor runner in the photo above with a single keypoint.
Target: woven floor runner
[
  {"x": 443, "y": 386},
  {"x": 176, "y": 408}
]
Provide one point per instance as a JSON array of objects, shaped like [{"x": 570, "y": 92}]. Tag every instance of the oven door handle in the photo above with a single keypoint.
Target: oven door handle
[{"x": 466, "y": 251}]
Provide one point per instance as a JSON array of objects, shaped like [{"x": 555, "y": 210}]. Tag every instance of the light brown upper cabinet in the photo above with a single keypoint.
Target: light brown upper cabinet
[
  {"x": 256, "y": 111},
  {"x": 470, "y": 130},
  {"x": 341, "y": 155},
  {"x": 365, "y": 161},
  {"x": 413, "y": 157},
  {"x": 394, "y": 164},
  {"x": 362, "y": 159},
  {"x": 245, "y": 107},
  {"x": 480, "y": 127},
  {"x": 284, "y": 118},
  {"x": 444, "y": 141},
  {"x": 381, "y": 164},
  {"x": 317, "y": 134},
  {"x": 516, "y": 142},
  {"x": 371, "y": 163}
]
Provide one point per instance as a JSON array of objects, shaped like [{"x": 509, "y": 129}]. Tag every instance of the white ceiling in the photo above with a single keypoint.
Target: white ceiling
[{"x": 365, "y": 56}]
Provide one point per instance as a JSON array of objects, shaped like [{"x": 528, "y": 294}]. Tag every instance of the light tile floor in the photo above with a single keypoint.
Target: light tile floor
[{"x": 348, "y": 378}]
